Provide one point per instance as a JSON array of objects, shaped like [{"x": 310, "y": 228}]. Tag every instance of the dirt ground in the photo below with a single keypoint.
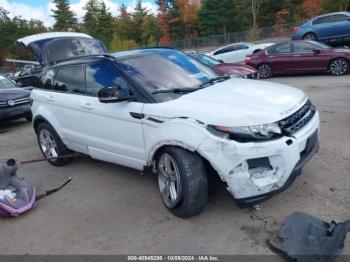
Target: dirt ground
[{"x": 110, "y": 209}]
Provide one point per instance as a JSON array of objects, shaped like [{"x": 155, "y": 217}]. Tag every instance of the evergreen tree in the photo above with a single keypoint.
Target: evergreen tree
[
  {"x": 91, "y": 17},
  {"x": 65, "y": 18},
  {"x": 105, "y": 24},
  {"x": 217, "y": 17},
  {"x": 138, "y": 17}
]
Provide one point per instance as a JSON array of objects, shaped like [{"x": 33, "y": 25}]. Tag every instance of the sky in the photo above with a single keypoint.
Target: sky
[{"x": 41, "y": 9}]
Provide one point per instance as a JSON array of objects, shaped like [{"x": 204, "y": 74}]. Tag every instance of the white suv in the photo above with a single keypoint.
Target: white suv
[{"x": 161, "y": 109}]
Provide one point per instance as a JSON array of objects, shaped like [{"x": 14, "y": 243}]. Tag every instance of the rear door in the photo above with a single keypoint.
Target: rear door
[
  {"x": 280, "y": 57},
  {"x": 341, "y": 25},
  {"x": 305, "y": 59}
]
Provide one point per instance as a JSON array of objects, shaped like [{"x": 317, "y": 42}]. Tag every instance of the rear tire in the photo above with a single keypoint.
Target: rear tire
[
  {"x": 265, "y": 71},
  {"x": 310, "y": 36},
  {"x": 51, "y": 145},
  {"x": 339, "y": 66},
  {"x": 182, "y": 181}
]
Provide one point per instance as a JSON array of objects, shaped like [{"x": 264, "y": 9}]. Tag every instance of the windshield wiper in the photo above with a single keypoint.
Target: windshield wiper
[
  {"x": 214, "y": 80},
  {"x": 176, "y": 90}
]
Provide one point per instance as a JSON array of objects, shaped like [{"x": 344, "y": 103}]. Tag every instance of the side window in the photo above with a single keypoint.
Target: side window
[
  {"x": 225, "y": 50},
  {"x": 339, "y": 18},
  {"x": 279, "y": 49},
  {"x": 46, "y": 79},
  {"x": 322, "y": 20},
  {"x": 239, "y": 47},
  {"x": 101, "y": 75},
  {"x": 70, "y": 80},
  {"x": 303, "y": 48}
]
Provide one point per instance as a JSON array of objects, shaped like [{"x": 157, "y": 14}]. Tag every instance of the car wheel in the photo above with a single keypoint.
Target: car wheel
[
  {"x": 339, "y": 66},
  {"x": 265, "y": 71},
  {"x": 310, "y": 36},
  {"x": 182, "y": 181},
  {"x": 52, "y": 146}
]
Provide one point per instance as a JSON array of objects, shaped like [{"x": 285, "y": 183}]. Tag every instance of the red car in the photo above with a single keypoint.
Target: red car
[
  {"x": 235, "y": 70},
  {"x": 300, "y": 57}
]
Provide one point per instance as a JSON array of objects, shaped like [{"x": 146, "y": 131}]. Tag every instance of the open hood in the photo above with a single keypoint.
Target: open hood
[{"x": 49, "y": 48}]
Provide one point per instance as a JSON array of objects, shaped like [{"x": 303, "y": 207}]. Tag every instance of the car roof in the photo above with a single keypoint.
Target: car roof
[
  {"x": 240, "y": 43},
  {"x": 111, "y": 57},
  {"x": 328, "y": 14},
  {"x": 138, "y": 52}
]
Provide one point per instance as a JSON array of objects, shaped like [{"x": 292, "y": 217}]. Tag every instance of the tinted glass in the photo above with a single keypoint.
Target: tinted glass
[
  {"x": 303, "y": 48},
  {"x": 323, "y": 20},
  {"x": 279, "y": 49},
  {"x": 225, "y": 50},
  {"x": 166, "y": 69},
  {"x": 5, "y": 83},
  {"x": 207, "y": 60},
  {"x": 46, "y": 80},
  {"x": 339, "y": 18},
  {"x": 70, "y": 80},
  {"x": 101, "y": 75}
]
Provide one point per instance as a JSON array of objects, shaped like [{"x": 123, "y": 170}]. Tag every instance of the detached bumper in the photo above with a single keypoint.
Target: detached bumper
[
  {"x": 312, "y": 149},
  {"x": 254, "y": 172}
]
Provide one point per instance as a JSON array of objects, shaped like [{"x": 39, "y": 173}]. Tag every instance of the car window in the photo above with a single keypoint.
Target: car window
[
  {"x": 279, "y": 49},
  {"x": 46, "y": 80},
  {"x": 240, "y": 47},
  {"x": 5, "y": 83},
  {"x": 70, "y": 80},
  {"x": 101, "y": 75},
  {"x": 226, "y": 50},
  {"x": 338, "y": 18},
  {"x": 303, "y": 48},
  {"x": 322, "y": 20}
]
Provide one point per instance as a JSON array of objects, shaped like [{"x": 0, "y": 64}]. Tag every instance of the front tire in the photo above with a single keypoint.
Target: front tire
[
  {"x": 182, "y": 181},
  {"x": 51, "y": 145},
  {"x": 339, "y": 66},
  {"x": 265, "y": 71}
]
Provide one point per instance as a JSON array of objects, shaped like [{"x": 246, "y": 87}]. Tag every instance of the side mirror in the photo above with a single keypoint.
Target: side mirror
[
  {"x": 19, "y": 84},
  {"x": 317, "y": 51},
  {"x": 113, "y": 94},
  {"x": 221, "y": 61}
]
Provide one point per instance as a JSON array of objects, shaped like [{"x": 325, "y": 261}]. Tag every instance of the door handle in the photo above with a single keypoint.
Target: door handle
[
  {"x": 49, "y": 98},
  {"x": 87, "y": 106}
]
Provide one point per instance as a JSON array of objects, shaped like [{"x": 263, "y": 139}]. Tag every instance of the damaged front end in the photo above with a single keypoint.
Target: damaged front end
[{"x": 255, "y": 171}]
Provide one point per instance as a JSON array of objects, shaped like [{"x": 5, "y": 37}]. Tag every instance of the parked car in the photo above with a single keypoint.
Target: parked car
[
  {"x": 14, "y": 101},
  {"x": 234, "y": 70},
  {"x": 333, "y": 27},
  {"x": 163, "y": 110},
  {"x": 300, "y": 57},
  {"x": 236, "y": 53}
]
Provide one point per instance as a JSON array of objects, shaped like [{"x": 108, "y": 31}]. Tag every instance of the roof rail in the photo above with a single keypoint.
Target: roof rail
[{"x": 81, "y": 57}]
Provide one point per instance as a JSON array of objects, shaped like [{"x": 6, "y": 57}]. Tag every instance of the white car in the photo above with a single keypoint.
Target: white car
[
  {"x": 162, "y": 110},
  {"x": 236, "y": 53}
]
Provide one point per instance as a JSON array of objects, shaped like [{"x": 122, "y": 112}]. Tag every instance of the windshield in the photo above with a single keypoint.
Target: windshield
[
  {"x": 5, "y": 83},
  {"x": 166, "y": 69},
  {"x": 207, "y": 60}
]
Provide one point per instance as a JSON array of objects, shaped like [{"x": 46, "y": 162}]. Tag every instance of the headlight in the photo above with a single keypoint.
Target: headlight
[{"x": 251, "y": 133}]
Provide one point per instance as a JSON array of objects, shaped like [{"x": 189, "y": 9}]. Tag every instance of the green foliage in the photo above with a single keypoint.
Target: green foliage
[
  {"x": 336, "y": 5},
  {"x": 13, "y": 29},
  {"x": 217, "y": 17},
  {"x": 98, "y": 21},
  {"x": 64, "y": 17}
]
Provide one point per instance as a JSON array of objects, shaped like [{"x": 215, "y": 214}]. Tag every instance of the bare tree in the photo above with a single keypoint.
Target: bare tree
[{"x": 255, "y": 10}]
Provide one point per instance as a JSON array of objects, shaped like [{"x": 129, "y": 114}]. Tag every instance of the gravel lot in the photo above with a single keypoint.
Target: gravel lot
[{"x": 109, "y": 209}]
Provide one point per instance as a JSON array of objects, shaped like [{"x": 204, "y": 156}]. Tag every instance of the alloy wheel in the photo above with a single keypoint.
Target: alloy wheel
[
  {"x": 48, "y": 144},
  {"x": 169, "y": 180},
  {"x": 310, "y": 36},
  {"x": 264, "y": 71},
  {"x": 339, "y": 67}
]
